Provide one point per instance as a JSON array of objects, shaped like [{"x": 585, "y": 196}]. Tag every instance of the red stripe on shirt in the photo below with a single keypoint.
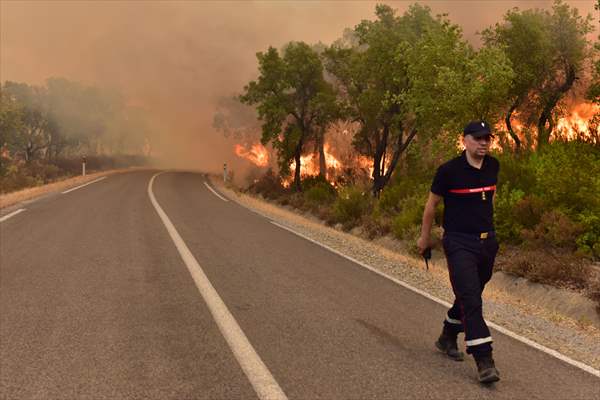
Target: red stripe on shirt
[{"x": 473, "y": 190}]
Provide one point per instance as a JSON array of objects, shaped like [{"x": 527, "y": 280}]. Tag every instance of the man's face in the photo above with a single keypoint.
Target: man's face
[{"x": 477, "y": 147}]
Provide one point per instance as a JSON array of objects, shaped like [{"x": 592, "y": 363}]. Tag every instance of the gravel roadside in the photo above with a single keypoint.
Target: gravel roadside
[{"x": 576, "y": 339}]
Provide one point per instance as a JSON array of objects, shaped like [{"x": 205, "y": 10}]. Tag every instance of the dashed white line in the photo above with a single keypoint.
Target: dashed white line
[
  {"x": 12, "y": 214},
  {"x": 212, "y": 190},
  {"x": 85, "y": 184},
  {"x": 499, "y": 328},
  {"x": 256, "y": 371}
]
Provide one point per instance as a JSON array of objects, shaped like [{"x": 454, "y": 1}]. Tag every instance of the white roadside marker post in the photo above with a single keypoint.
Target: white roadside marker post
[
  {"x": 83, "y": 166},
  {"x": 224, "y": 172}
]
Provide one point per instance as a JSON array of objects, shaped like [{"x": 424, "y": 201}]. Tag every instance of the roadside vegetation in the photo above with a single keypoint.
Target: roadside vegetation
[
  {"x": 406, "y": 85},
  {"x": 45, "y": 131}
]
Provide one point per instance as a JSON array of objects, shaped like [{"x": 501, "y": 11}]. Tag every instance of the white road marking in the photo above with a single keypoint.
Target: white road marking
[
  {"x": 257, "y": 372},
  {"x": 12, "y": 214},
  {"x": 85, "y": 184},
  {"x": 499, "y": 328},
  {"x": 212, "y": 190}
]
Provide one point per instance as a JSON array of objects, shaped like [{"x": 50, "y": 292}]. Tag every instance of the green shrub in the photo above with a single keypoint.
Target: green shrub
[
  {"x": 389, "y": 200},
  {"x": 516, "y": 169},
  {"x": 319, "y": 195},
  {"x": 568, "y": 176},
  {"x": 17, "y": 177},
  {"x": 409, "y": 217},
  {"x": 588, "y": 243},
  {"x": 507, "y": 227},
  {"x": 318, "y": 192},
  {"x": 351, "y": 205}
]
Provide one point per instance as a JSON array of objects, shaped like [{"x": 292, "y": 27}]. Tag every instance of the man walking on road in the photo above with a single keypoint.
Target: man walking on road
[{"x": 467, "y": 184}]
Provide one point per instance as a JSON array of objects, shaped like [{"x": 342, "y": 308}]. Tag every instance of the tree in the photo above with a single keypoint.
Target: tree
[
  {"x": 11, "y": 117},
  {"x": 412, "y": 75},
  {"x": 547, "y": 51},
  {"x": 32, "y": 135},
  {"x": 292, "y": 99}
]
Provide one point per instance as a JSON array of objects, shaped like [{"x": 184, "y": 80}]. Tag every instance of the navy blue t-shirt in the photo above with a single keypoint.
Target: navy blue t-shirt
[{"x": 467, "y": 193}]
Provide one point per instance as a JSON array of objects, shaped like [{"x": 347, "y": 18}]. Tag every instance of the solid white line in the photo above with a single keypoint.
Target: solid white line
[
  {"x": 499, "y": 328},
  {"x": 216, "y": 194},
  {"x": 85, "y": 184},
  {"x": 257, "y": 372},
  {"x": 12, "y": 214}
]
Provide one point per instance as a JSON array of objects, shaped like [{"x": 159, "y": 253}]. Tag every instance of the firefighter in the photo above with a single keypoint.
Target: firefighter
[{"x": 467, "y": 184}]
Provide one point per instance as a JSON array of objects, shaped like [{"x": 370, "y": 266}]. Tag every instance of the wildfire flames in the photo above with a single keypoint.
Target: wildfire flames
[
  {"x": 257, "y": 154},
  {"x": 309, "y": 164},
  {"x": 576, "y": 124},
  {"x": 571, "y": 127}
]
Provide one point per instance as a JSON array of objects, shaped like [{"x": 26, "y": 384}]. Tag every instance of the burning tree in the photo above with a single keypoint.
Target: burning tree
[
  {"x": 547, "y": 51},
  {"x": 293, "y": 101}
]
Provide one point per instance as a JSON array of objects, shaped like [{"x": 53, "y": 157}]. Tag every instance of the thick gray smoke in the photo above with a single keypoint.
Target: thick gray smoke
[{"x": 178, "y": 59}]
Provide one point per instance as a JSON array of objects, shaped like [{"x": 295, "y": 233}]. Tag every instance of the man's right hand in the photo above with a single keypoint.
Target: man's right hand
[{"x": 423, "y": 243}]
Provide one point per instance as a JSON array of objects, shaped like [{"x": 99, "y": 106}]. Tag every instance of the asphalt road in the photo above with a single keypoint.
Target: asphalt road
[{"x": 96, "y": 302}]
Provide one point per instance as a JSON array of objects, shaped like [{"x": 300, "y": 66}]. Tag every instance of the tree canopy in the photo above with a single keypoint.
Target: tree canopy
[{"x": 547, "y": 51}]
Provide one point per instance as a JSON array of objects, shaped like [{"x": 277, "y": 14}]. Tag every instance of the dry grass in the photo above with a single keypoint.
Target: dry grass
[
  {"x": 545, "y": 266},
  {"x": 9, "y": 199}
]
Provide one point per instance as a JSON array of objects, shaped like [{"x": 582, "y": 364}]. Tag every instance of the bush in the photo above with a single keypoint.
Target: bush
[
  {"x": 555, "y": 229},
  {"x": 17, "y": 177},
  {"x": 318, "y": 192},
  {"x": 409, "y": 216},
  {"x": 350, "y": 206},
  {"x": 269, "y": 185},
  {"x": 568, "y": 176},
  {"x": 507, "y": 227},
  {"x": 319, "y": 196},
  {"x": 588, "y": 243},
  {"x": 548, "y": 267}
]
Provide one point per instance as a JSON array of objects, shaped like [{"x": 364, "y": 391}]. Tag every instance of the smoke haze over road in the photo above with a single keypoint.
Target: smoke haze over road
[{"x": 177, "y": 59}]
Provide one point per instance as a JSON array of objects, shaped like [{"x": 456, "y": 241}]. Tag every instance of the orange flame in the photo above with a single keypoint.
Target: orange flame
[
  {"x": 309, "y": 164},
  {"x": 577, "y": 124},
  {"x": 257, "y": 154},
  {"x": 574, "y": 126}
]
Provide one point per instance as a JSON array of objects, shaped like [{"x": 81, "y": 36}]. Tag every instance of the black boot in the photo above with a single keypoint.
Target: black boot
[
  {"x": 447, "y": 344},
  {"x": 487, "y": 369}
]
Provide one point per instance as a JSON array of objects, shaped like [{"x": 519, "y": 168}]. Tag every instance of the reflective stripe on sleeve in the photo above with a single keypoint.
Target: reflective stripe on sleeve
[{"x": 475, "y": 342}]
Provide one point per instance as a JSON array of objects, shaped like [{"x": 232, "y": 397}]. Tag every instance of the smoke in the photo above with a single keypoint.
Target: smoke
[{"x": 177, "y": 60}]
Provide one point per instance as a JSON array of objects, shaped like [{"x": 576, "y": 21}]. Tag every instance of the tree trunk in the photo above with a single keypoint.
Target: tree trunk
[
  {"x": 297, "y": 155},
  {"x": 546, "y": 115},
  {"x": 322, "y": 161},
  {"x": 509, "y": 126},
  {"x": 380, "y": 149},
  {"x": 401, "y": 146}
]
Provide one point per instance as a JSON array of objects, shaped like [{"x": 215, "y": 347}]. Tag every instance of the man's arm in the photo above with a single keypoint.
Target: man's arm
[{"x": 428, "y": 216}]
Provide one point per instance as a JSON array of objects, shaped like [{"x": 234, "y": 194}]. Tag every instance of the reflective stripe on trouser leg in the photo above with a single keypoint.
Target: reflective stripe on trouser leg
[
  {"x": 452, "y": 323},
  {"x": 477, "y": 342}
]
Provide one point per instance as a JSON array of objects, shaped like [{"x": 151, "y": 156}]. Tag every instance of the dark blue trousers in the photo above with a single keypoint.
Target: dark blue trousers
[{"x": 470, "y": 264}]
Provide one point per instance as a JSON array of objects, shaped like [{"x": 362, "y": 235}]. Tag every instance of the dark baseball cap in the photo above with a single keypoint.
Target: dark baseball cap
[{"x": 477, "y": 129}]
